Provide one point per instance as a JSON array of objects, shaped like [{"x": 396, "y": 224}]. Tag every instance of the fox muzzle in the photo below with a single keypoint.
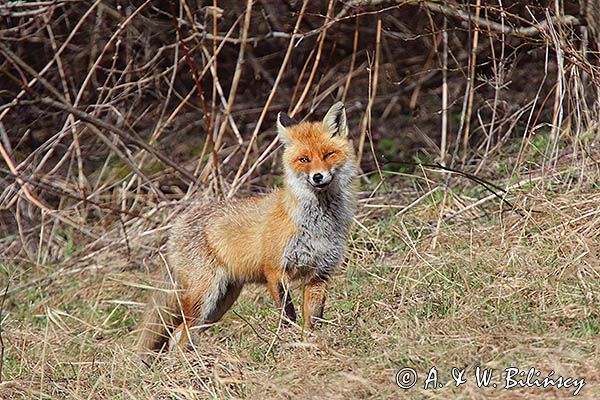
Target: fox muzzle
[{"x": 320, "y": 179}]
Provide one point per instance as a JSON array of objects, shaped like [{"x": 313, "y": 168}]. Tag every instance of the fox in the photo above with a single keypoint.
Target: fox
[{"x": 297, "y": 232}]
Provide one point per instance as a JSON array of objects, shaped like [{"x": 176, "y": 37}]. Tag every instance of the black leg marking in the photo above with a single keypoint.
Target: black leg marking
[
  {"x": 286, "y": 300},
  {"x": 225, "y": 302}
]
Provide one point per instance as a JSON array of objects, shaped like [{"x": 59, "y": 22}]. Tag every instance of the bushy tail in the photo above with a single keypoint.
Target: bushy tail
[{"x": 160, "y": 317}]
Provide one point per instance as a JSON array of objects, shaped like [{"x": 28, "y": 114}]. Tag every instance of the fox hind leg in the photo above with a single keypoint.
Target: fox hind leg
[
  {"x": 191, "y": 309},
  {"x": 204, "y": 305},
  {"x": 225, "y": 302}
]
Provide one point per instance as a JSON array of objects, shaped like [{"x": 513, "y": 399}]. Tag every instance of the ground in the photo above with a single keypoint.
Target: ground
[{"x": 489, "y": 286}]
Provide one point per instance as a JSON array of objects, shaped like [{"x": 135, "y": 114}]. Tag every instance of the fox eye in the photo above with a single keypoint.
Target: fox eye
[
  {"x": 303, "y": 160},
  {"x": 327, "y": 155}
]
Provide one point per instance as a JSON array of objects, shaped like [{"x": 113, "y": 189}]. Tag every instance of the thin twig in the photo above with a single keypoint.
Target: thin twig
[{"x": 1, "y": 319}]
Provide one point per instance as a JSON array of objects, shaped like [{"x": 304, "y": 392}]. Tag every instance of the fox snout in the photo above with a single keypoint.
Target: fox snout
[{"x": 320, "y": 179}]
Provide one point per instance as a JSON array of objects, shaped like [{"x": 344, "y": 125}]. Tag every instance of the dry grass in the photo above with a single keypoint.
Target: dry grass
[
  {"x": 500, "y": 289},
  {"x": 114, "y": 115}
]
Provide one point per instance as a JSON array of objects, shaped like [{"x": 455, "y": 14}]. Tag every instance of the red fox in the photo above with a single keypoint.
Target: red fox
[{"x": 298, "y": 231}]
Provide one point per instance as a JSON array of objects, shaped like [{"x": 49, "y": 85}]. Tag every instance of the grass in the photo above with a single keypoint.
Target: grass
[
  {"x": 433, "y": 279},
  {"x": 497, "y": 290}
]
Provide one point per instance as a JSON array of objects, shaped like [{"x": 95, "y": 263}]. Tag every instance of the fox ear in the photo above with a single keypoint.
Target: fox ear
[
  {"x": 284, "y": 121},
  {"x": 335, "y": 120}
]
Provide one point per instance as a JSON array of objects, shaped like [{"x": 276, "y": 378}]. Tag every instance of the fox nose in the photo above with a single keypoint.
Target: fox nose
[{"x": 317, "y": 178}]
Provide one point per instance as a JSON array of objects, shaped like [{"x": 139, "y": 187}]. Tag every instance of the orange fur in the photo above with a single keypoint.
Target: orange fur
[
  {"x": 311, "y": 141},
  {"x": 214, "y": 249}
]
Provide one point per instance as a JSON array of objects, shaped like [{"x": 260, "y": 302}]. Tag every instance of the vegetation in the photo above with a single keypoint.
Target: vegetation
[{"x": 478, "y": 221}]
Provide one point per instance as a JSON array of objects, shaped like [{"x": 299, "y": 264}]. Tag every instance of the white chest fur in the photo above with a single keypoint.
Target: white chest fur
[{"x": 323, "y": 220}]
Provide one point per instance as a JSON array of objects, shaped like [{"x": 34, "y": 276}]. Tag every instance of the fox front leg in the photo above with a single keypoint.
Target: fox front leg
[
  {"x": 279, "y": 288},
  {"x": 315, "y": 293}
]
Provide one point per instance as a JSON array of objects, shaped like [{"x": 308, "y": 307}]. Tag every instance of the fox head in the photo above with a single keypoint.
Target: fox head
[{"x": 317, "y": 155}]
